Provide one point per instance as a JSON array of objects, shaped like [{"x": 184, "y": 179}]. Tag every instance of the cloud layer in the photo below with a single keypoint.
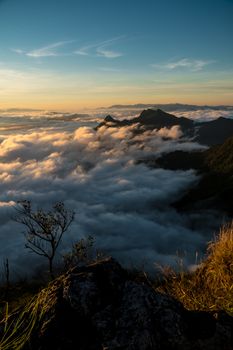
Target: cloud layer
[{"x": 125, "y": 205}]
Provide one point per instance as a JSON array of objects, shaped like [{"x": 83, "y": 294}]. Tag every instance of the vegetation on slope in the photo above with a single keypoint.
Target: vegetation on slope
[
  {"x": 210, "y": 287},
  {"x": 220, "y": 158},
  {"x": 17, "y": 328}
]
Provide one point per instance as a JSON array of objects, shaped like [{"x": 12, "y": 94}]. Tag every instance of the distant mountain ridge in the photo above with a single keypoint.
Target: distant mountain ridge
[
  {"x": 171, "y": 107},
  {"x": 207, "y": 133}
]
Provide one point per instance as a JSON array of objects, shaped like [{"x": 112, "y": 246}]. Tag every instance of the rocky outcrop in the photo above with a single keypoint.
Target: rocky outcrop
[{"x": 100, "y": 307}]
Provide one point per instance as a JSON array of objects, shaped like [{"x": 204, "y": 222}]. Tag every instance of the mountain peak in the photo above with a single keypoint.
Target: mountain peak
[
  {"x": 109, "y": 118},
  {"x": 155, "y": 112},
  {"x": 160, "y": 119}
]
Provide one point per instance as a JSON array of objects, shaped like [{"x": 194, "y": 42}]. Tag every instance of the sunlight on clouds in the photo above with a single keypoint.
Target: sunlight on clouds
[
  {"x": 7, "y": 204},
  {"x": 174, "y": 132},
  {"x": 96, "y": 172}
]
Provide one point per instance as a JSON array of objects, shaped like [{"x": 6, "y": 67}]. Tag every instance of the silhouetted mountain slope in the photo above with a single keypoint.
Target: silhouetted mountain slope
[
  {"x": 181, "y": 160},
  {"x": 150, "y": 119},
  {"x": 214, "y": 132},
  {"x": 215, "y": 189},
  {"x": 220, "y": 158},
  {"x": 159, "y": 119},
  {"x": 207, "y": 133}
]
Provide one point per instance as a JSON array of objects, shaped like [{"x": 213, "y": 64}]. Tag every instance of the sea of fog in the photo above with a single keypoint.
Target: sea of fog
[{"x": 49, "y": 156}]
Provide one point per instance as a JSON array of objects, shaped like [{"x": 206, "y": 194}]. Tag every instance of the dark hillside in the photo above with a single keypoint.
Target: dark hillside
[
  {"x": 214, "y": 132},
  {"x": 215, "y": 189}
]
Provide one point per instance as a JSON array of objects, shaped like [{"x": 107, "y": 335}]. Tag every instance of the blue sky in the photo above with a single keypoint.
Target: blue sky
[{"x": 72, "y": 54}]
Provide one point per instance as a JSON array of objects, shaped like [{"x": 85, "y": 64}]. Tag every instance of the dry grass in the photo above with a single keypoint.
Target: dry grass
[
  {"x": 17, "y": 328},
  {"x": 210, "y": 287}
]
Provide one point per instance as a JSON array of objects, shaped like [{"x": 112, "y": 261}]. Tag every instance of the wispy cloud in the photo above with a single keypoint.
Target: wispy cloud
[
  {"x": 100, "y": 49},
  {"x": 45, "y": 51},
  {"x": 55, "y": 49},
  {"x": 184, "y": 63},
  {"x": 108, "y": 53},
  {"x": 84, "y": 51}
]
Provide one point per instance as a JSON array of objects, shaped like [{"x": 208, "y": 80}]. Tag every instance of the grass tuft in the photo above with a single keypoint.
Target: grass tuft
[
  {"x": 16, "y": 329},
  {"x": 210, "y": 287}
]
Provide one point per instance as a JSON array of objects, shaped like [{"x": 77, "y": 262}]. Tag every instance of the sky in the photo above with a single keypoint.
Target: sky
[{"x": 75, "y": 54}]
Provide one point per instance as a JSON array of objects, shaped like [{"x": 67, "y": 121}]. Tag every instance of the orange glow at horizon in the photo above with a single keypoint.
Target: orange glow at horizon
[{"x": 83, "y": 104}]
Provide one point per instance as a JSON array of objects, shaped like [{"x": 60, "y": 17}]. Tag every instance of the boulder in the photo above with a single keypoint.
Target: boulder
[{"x": 101, "y": 306}]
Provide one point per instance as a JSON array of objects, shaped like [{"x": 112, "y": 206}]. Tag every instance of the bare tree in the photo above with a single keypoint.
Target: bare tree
[{"x": 44, "y": 229}]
